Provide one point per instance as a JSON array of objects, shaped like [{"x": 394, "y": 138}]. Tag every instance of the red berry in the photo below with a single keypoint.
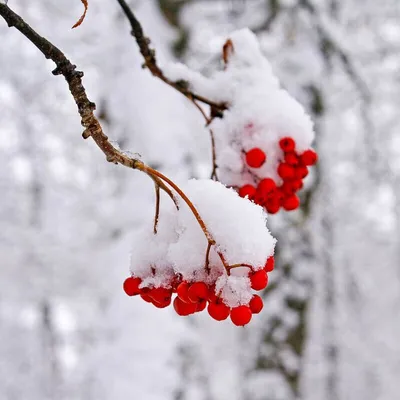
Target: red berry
[
  {"x": 301, "y": 172},
  {"x": 256, "y": 304},
  {"x": 291, "y": 203},
  {"x": 287, "y": 144},
  {"x": 272, "y": 206},
  {"x": 131, "y": 286},
  {"x": 198, "y": 291},
  {"x": 182, "y": 292},
  {"x": 146, "y": 297},
  {"x": 218, "y": 311},
  {"x": 258, "y": 279},
  {"x": 182, "y": 308},
  {"x": 260, "y": 198},
  {"x": 160, "y": 295},
  {"x": 286, "y": 171},
  {"x": 309, "y": 157},
  {"x": 297, "y": 184},
  {"x": 292, "y": 159},
  {"x": 241, "y": 315},
  {"x": 247, "y": 190},
  {"x": 255, "y": 158},
  {"x": 201, "y": 305},
  {"x": 269, "y": 265},
  {"x": 162, "y": 304},
  {"x": 267, "y": 186},
  {"x": 288, "y": 188}
]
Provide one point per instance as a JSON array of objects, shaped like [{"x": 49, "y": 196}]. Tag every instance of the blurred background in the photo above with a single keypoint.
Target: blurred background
[{"x": 330, "y": 327}]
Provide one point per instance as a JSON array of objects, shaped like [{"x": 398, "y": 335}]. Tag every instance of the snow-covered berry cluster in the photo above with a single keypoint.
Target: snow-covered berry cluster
[
  {"x": 194, "y": 297},
  {"x": 216, "y": 264},
  {"x": 263, "y": 140}
]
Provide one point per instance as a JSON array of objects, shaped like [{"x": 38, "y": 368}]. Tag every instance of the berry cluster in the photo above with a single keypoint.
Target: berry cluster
[
  {"x": 292, "y": 168},
  {"x": 193, "y": 297}
]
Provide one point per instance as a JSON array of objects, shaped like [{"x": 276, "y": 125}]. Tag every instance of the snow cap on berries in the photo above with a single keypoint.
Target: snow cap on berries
[
  {"x": 179, "y": 249},
  {"x": 237, "y": 225}
]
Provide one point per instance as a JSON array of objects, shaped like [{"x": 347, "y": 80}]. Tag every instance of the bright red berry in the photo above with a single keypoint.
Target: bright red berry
[
  {"x": 297, "y": 184},
  {"x": 272, "y": 206},
  {"x": 197, "y": 291},
  {"x": 309, "y": 157},
  {"x": 146, "y": 297},
  {"x": 162, "y": 304},
  {"x": 260, "y": 198},
  {"x": 201, "y": 305},
  {"x": 288, "y": 188},
  {"x": 256, "y": 304},
  {"x": 218, "y": 311},
  {"x": 291, "y": 203},
  {"x": 292, "y": 159},
  {"x": 287, "y": 144},
  {"x": 267, "y": 186},
  {"x": 241, "y": 315},
  {"x": 182, "y": 292},
  {"x": 182, "y": 308},
  {"x": 247, "y": 190},
  {"x": 269, "y": 265},
  {"x": 258, "y": 279},
  {"x": 286, "y": 171},
  {"x": 131, "y": 286},
  {"x": 301, "y": 172},
  {"x": 255, "y": 158},
  {"x": 160, "y": 295}
]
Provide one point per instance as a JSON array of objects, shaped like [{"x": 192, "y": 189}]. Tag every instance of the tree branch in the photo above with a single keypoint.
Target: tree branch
[
  {"x": 74, "y": 79},
  {"x": 150, "y": 62}
]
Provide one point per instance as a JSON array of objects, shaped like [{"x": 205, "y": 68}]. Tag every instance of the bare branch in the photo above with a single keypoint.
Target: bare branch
[
  {"x": 74, "y": 79},
  {"x": 151, "y": 63}
]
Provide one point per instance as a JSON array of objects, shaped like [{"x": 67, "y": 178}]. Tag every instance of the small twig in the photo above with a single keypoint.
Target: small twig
[
  {"x": 152, "y": 172},
  {"x": 157, "y": 214},
  {"x": 80, "y": 20},
  {"x": 213, "y": 151},
  {"x": 166, "y": 189},
  {"x": 214, "y": 175},
  {"x": 207, "y": 263}
]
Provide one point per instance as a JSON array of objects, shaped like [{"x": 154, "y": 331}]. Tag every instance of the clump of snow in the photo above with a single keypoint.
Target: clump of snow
[
  {"x": 259, "y": 113},
  {"x": 179, "y": 248},
  {"x": 234, "y": 290}
]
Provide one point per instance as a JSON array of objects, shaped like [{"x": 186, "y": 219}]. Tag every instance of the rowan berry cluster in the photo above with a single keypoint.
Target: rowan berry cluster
[
  {"x": 194, "y": 297},
  {"x": 215, "y": 265},
  {"x": 291, "y": 168}
]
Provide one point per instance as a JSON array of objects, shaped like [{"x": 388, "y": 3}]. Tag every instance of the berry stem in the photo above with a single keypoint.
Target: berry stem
[
  {"x": 152, "y": 172},
  {"x": 157, "y": 214},
  {"x": 207, "y": 263}
]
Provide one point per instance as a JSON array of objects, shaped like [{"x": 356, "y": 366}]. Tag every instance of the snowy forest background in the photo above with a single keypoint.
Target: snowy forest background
[{"x": 330, "y": 327}]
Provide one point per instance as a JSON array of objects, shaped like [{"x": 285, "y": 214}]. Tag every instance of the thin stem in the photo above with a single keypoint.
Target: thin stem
[
  {"x": 214, "y": 157},
  {"x": 213, "y": 151},
  {"x": 152, "y": 172},
  {"x": 207, "y": 263},
  {"x": 157, "y": 214}
]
